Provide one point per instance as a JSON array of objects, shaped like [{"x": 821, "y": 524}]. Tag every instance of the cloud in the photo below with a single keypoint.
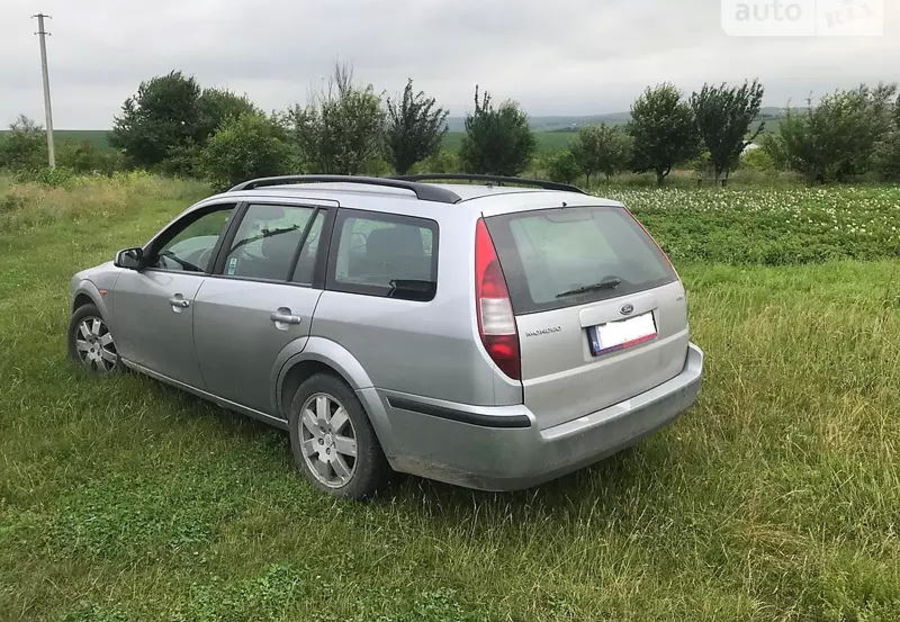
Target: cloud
[{"x": 563, "y": 57}]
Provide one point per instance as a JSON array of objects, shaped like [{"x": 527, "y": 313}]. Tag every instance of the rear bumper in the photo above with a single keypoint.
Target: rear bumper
[{"x": 502, "y": 448}]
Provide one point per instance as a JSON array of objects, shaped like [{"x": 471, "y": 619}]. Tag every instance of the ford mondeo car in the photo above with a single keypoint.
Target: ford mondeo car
[{"x": 489, "y": 332}]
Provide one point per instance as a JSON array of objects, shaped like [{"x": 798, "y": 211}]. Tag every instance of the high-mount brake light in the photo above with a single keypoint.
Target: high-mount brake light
[{"x": 496, "y": 322}]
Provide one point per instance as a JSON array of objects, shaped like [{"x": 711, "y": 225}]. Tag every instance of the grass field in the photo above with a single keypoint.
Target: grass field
[
  {"x": 777, "y": 497},
  {"x": 98, "y": 138}
]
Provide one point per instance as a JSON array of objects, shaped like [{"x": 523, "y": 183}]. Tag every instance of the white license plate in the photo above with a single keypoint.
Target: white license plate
[{"x": 621, "y": 334}]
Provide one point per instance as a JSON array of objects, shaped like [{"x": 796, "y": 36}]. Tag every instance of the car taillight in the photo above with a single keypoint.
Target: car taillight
[{"x": 496, "y": 322}]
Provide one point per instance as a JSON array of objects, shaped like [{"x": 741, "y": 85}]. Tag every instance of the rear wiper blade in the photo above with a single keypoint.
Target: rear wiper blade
[{"x": 610, "y": 283}]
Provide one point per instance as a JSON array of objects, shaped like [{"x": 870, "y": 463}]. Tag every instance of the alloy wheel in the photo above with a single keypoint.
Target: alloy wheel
[
  {"x": 328, "y": 440},
  {"x": 95, "y": 346}
]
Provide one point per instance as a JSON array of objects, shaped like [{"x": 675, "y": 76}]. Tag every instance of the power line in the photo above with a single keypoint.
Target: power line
[{"x": 48, "y": 112}]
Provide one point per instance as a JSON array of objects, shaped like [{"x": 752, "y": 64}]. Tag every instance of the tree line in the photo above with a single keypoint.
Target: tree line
[
  {"x": 173, "y": 125},
  {"x": 848, "y": 133}
]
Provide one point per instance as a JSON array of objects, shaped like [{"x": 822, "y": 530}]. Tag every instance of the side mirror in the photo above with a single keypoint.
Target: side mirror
[{"x": 130, "y": 258}]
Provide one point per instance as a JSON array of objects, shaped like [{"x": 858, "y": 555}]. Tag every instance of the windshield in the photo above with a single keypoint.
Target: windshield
[{"x": 557, "y": 258}]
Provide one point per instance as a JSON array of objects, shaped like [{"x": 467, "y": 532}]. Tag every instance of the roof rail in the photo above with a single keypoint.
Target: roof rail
[
  {"x": 425, "y": 192},
  {"x": 497, "y": 179}
]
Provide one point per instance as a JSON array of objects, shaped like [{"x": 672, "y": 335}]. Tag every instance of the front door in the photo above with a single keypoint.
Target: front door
[
  {"x": 154, "y": 307},
  {"x": 261, "y": 299}
]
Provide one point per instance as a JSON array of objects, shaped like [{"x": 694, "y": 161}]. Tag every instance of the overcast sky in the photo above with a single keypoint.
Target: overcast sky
[{"x": 553, "y": 56}]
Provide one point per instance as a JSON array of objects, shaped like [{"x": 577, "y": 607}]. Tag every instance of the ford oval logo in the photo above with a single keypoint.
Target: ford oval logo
[{"x": 626, "y": 309}]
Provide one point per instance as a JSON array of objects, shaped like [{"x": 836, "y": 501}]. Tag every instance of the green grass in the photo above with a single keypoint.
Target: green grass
[{"x": 777, "y": 497}]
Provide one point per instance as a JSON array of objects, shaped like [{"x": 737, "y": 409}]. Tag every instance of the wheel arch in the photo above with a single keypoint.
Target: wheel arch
[
  {"x": 86, "y": 293},
  {"x": 81, "y": 300},
  {"x": 320, "y": 355},
  {"x": 299, "y": 361}
]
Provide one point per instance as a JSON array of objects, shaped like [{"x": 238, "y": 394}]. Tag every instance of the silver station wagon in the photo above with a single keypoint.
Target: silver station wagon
[{"x": 489, "y": 332}]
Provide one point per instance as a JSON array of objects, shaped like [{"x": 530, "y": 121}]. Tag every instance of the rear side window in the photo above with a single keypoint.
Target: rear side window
[
  {"x": 384, "y": 255},
  {"x": 557, "y": 258}
]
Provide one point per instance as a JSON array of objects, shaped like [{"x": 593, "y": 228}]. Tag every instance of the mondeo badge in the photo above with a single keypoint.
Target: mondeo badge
[
  {"x": 543, "y": 331},
  {"x": 626, "y": 309}
]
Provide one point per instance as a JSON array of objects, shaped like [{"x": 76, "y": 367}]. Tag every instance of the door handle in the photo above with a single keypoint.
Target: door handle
[
  {"x": 178, "y": 303},
  {"x": 283, "y": 316}
]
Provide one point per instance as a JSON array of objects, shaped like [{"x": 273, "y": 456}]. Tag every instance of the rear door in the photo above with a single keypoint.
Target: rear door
[
  {"x": 600, "y": 312},
  {"x": 260, "y": 299}
]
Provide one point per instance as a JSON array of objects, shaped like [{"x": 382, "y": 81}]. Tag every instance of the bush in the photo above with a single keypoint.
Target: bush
[
  {"x": 444, "y": 161},
  {"x": 85, "y": 157},
  {"x": 59, "y": 176},
  {"x": 758, "y": 159},
  {"x": 563, "y": 166},
  {"x": 245, "y": 147},
  {"x": 342, "y": 131},
  {"x": 24, "y": 146}
]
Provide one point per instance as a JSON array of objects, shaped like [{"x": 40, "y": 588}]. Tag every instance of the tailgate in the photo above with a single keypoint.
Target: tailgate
[{"x": 600, "y": 312}]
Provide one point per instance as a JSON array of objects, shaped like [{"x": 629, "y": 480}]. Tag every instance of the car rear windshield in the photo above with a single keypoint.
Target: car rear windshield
[{"x": 561, "y": 257}]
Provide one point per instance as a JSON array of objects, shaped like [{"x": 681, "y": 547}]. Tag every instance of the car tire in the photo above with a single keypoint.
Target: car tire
[
  {"x": 332, "y": 440},
  {"x": 91, "y": 343}
]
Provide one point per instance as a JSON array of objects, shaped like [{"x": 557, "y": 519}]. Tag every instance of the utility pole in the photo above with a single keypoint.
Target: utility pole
[{"x": 48, "y": 112}]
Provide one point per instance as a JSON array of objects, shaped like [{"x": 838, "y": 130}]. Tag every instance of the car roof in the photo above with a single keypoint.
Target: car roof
[{"x": 474, "y": 199}]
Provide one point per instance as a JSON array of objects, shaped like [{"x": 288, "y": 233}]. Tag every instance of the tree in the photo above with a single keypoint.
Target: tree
[
  {"x": 444, "y": 161},
  {"x": 168, "y": 121},
  {"x": 162, "y": 116},
  {"x": 215, "y": 106},
  {"x": 415, "y": 128},
  {"x": 497, "y": 140},
  {"x": 723, "y": 115},
  {"x": 601, "y": 148},
  {"x": 838, "y": 138},
  {"x": 663, "y": 129},
  {"x": 247, "y": 146},
  {"x": 342, "y": 130}
]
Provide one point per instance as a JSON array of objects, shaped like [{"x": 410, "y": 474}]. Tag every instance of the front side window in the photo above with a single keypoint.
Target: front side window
[
  {"x": 266, "y": 241},
  {"x": 384, "y": 255},
  {"x": 189, "y": 246}
]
